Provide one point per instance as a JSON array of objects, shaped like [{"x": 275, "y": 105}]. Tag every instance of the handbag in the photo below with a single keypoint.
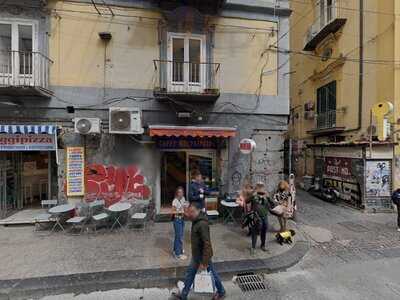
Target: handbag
[
  {"x": 204, "y": 283},
  {"x": 279, "y": 209}
]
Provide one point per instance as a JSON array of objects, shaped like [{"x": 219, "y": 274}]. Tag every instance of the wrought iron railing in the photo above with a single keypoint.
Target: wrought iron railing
[
  {"x": 329, "y": 14},
  {"x": 326, "y": 120},
  {"x": 187, "y": 77},
  {"x": 20, "y": 68}
]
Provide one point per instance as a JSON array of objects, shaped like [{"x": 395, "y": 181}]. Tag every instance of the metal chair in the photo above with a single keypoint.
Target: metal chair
[
  {"x": 80, "y": 220},
  {"x": 97, "y": 214},
  {"x": 43, "y": 221},
  {"x": 212, "y": 216}
]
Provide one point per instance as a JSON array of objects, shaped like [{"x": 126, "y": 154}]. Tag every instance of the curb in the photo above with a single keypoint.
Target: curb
[{"x": 37, "y": 287}]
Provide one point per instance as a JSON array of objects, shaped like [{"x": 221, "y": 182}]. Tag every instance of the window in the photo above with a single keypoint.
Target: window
[
  {"x": 326, "y": 106},
  {"x": 17, "y": 44},
  {"x": 186, "y": 62},
  {"x": 325, "y": 9}
]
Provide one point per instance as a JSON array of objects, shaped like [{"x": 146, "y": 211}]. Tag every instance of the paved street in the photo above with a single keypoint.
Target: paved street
[{"x": 353, "y": 256}]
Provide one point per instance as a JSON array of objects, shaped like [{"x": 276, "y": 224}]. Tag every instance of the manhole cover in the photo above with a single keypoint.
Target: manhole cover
[{"x": 250, "y": 282}]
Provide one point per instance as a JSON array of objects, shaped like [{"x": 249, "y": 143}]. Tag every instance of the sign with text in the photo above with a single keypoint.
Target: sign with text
[
  {"x": 338, "y": 167},
  {"x": 186, "y": 143},
  {"x": 246, "y": 146},
  {"x": 75, "y": 171},
  {"x": 27, "y": 142}
]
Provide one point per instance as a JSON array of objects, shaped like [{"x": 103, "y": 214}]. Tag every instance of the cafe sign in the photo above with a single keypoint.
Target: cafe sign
[
  {"x": 247, "y": 146},
  {"x": 338, "y": 167}
]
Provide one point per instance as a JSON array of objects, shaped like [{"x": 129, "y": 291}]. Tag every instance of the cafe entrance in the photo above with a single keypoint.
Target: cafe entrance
[{"x": 177, "y": 167}]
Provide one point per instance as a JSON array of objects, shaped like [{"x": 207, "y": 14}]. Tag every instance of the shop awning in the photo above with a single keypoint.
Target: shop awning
[
  {"x": 28, "y": 129},
  {"x": 194, "y": 131},
  {"x": 28, "y": 138}
]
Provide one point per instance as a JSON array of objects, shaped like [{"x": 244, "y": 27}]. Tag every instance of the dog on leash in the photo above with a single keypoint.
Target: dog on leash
[{"x": 285, "y": 237}]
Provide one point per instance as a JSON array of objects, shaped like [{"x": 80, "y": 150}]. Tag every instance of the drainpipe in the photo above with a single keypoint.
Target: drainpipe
[{"x": 361, "y": 69}]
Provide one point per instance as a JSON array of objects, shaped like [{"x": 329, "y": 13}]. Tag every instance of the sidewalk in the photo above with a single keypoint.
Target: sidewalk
[{"x": 34, "y": 263}]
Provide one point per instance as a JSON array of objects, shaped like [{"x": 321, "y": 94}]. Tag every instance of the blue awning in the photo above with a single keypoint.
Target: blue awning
[{"x": 28, "y": 129}]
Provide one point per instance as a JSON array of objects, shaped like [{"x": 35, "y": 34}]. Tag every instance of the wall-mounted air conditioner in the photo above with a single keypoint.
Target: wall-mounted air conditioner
[
  {"x": 125, "y": 120},
  {"x": 87, "y": 125}
]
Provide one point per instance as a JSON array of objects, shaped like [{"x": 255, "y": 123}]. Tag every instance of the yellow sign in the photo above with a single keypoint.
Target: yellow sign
[
  {"x": 381, "y": 111},
  {"x": 75, "y": 171}
]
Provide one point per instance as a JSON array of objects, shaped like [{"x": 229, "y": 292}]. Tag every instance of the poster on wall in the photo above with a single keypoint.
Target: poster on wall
[
  {"x": 75, "y": 171},
  {"x": 378, "y": 178}
]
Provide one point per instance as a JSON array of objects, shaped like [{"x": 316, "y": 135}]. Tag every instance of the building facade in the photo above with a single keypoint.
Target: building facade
[
  {"x": 143, "y": 92},
  {"x": 343, "y": 73}
]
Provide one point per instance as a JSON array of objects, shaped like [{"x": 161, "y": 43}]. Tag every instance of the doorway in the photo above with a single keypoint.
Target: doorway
[
  {"x": 26, "y": 178},
  {"x": 177, "y": 167}
]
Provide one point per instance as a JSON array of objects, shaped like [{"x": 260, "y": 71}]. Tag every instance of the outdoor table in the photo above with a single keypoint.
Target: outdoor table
[
  {"x": 117, "y": 211},
  {"x": 58, "y": 211},
  {"x": 229, "y": 208}
]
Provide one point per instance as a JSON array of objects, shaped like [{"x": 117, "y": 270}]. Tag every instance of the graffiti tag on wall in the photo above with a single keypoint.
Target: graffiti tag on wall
[
  {"x": 378, "y": 178},
  {"x": 114, "y": 184}
]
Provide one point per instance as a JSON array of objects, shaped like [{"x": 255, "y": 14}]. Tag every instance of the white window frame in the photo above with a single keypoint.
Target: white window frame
[
  {"x": 14, "y": 22},
  {"x": 186, "y": 85}
]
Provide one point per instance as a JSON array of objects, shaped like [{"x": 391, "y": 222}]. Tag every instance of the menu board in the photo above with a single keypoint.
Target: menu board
[{"x": 75, "y": 171}]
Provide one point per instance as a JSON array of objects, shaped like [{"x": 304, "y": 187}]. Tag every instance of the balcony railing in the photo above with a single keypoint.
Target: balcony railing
[
  {"x": 328, "y": 20},
  {"x": 187, "y": 78},
  {"x": 326, "y": 120},
  {"x": 24, "y": 69}
]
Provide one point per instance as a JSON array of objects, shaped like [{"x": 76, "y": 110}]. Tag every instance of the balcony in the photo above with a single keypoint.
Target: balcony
[
  {"x": 327, "y": 123},
  {"x": 24, "y": 74},
  {"x": 204, "y": 6},
  {"x": 329, "y": 20},
  {"x": 187, "y": 81}
]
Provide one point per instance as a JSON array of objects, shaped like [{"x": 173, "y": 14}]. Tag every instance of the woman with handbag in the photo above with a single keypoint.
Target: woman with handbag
[{"x": 281, "y": 205}]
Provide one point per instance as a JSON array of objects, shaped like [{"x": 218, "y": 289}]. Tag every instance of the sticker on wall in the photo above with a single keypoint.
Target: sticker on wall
[
  {"x": 247, "y": 146},
  {"x": 75, "y": 171},
  {"x": 114, "y": 184}
]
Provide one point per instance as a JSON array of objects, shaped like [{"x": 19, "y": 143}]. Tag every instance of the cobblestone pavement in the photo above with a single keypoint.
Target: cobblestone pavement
[{"x": 354, "y": 235}]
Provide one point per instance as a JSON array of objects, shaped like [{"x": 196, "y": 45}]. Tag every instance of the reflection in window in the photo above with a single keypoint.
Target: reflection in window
[
  {"x": 25, "y": 49},
  {"x": 5, "y": 49},
  {"x": 178, "y": 58}
]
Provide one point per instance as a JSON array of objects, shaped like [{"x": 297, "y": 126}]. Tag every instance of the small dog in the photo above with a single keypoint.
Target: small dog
[{"x": 285, "y": 237}]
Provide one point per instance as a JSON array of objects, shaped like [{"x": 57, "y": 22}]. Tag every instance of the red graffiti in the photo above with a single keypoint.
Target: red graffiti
[{"x": 114, "y": 184}]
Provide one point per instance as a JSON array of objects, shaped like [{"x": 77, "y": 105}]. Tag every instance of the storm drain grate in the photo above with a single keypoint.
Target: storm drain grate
[{"x": 250, "y": 282}]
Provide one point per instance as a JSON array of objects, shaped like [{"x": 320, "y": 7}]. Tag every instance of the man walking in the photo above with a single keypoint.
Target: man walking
[{"x": 201, "y": 252}]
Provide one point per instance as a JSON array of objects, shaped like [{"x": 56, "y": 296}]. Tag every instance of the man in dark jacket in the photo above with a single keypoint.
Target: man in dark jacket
[
  {"x": 201, "y": 252},
  {"x": 198, "y": 190}
]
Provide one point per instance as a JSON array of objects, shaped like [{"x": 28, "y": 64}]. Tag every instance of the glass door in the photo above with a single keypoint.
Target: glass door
[
  {"x": 186, "y": 63},
  {"x": 205, "y": 162}
]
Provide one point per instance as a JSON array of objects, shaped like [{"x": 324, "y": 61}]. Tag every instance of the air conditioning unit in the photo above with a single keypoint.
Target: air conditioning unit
[
  {"x": 126, "y": 120},
  {"x": 87, "y": 125}
]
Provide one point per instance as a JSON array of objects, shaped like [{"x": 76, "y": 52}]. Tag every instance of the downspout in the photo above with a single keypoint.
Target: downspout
[{"x": 360, "y": 68}]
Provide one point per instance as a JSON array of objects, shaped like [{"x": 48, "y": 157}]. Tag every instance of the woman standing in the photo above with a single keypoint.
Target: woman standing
[
  {"x": 282, "y": 204},
  {"x": 178, "y": 208},
  {"x": 255, "y": 219}
]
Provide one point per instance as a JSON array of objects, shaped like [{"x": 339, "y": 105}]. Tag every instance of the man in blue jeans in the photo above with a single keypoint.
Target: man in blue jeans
[{"x": 201, "y": 252}]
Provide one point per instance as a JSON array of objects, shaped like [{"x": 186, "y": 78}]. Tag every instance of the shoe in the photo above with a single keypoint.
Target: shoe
[
  {"x": 264, "y": 249},
  {"x": 182, "y": 257},
  {"x": 177, "y": 296},
  {"x": 218, "y": 296},
  {"x": 398, "y": 229}
]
